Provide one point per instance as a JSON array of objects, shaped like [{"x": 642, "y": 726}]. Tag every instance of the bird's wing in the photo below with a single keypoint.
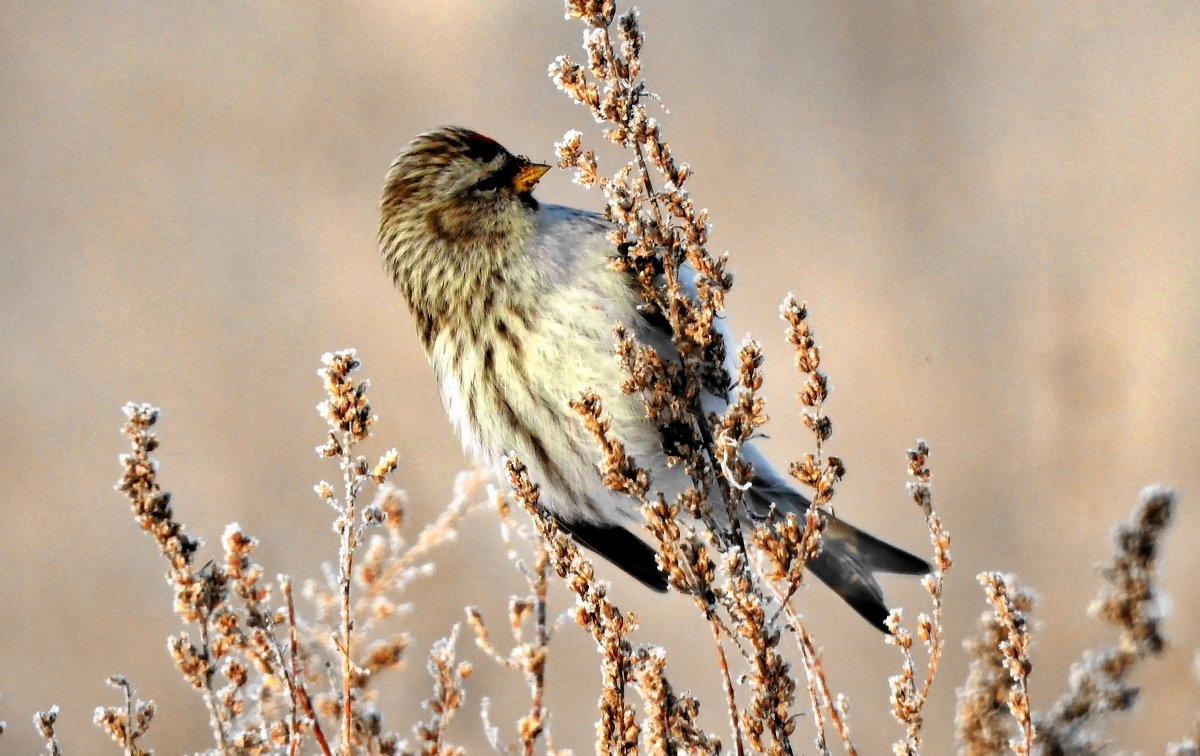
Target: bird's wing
[{"x": 849, "y": 557}]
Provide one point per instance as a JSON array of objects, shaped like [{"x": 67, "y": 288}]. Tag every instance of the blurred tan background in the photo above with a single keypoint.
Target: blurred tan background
[{"x": 992, "y": 209}]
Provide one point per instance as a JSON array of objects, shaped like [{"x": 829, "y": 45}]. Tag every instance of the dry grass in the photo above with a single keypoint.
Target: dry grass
[{"x": 280, "y": 677}]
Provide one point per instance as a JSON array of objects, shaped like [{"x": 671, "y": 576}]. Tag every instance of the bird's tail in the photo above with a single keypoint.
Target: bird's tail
[
  {"x": 848, "y": 561},
  {"x": 849, "y": 557}
]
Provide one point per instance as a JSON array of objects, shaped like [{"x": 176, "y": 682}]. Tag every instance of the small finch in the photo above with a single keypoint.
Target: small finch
[{"x": 515, "y": 304}]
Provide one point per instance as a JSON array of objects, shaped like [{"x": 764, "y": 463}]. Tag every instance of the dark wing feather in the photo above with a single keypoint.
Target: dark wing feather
[{"x": 619, "y": 546}]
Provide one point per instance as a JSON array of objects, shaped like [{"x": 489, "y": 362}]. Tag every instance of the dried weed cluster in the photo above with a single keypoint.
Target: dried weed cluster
[{"x": 278, "y": 678}]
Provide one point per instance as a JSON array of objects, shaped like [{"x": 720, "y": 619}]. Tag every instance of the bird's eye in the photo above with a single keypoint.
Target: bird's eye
[
  {"x": 489, "y": 184},
  {"x": 500, "y": 178}
]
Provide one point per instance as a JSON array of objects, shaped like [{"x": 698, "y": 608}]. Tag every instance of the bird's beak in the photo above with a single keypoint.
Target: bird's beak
[{"x": 528, "y": 175}]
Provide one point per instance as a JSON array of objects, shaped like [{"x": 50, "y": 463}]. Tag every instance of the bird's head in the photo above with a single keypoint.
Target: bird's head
[{"x": 459, "y": 187}]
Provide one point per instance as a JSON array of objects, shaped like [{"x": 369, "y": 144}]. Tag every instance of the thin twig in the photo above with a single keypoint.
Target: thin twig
[
  {"x": 298, "y": 691},
  {"x": 812, "y": 666},
  {"x": 536, "y": 707},
  {"x": 210, "y": 695},
  {"x": 727, "y": 682},
  {"x": 347, "y": 565}
]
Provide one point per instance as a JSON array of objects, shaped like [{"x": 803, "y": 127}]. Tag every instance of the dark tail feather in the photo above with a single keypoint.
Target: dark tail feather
[
  {"x": 622, "y": 548},
  {"x": 848, "y": 559}
]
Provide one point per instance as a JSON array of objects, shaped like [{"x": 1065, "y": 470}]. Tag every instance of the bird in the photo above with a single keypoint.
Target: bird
[{"x": 514, "y": 303}]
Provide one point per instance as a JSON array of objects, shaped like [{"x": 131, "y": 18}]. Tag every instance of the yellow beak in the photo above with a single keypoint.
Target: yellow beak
[{"x": 527, "y": 176}]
